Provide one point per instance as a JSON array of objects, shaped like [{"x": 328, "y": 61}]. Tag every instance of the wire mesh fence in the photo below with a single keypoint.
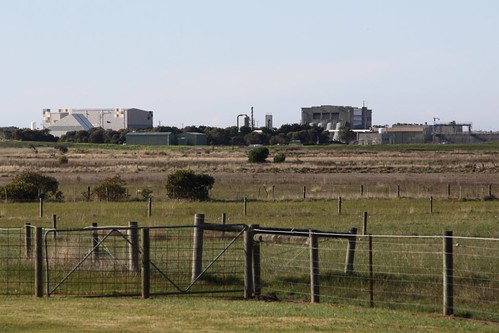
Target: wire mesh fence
[
  {"x": 389, "y": 271},
  {"x": 16, "y": 262},
  {"x": 106, "y": 261}
]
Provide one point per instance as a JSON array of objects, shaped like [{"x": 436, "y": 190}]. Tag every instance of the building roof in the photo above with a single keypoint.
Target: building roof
[{"x": 72, "y": 122}]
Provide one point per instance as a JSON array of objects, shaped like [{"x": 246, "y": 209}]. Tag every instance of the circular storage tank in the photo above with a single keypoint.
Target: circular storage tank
[{"x": 381, "y": 130}]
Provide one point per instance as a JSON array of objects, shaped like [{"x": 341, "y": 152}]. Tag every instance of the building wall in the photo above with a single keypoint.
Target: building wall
[
  {"x": 106, "y": 118},
  {"x": 150, "y": 139},
  {"x": 358, "y": 118}
]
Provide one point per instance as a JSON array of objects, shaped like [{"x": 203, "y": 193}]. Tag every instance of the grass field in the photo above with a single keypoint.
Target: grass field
[
  {"x": 326, "y": 172},
  {"x": 215, "y": 315}
]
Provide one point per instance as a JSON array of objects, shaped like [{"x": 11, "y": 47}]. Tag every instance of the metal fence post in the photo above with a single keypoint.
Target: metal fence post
[
  {"x": 41, "y": 207},
  {"x": 197, "y": 247},
  {"x": 39, "y": 262},
  {"x": 448, "y": 275},
  {"x": 339, "y": 205},
  {"x": 149, "y": 207},
  {"x": 146, "y": 267},
  {"x": 314, "y": 267},
  {"x": 133, "y": 248}
]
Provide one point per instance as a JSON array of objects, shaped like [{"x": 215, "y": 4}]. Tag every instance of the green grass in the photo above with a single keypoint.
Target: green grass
[{"x": 190, "y": 314}]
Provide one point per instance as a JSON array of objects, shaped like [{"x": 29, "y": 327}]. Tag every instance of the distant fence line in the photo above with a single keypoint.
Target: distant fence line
[
  {"x": 447, "y": 273},
  {"x": 320, "y": 191}
]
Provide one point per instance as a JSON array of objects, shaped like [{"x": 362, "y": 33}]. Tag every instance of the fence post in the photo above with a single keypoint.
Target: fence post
[
  {"x": 27, "y": 240},
  {"x": 257, "y": 280},
  {"x": 224, "y": 218},
  {"x": 149, "y": 207},
  {"x": 245, "y": 203},
  {"x": 39, "y": 262},
  {"x": 314, "y": 267},
  {"x": 490, "y": 191},
  {"x": 431, "y": 205},
  {"x": 364, "y": 225},
  {"x": 448, "y": 275},
  {"x": 361, "y": 190},
  {"x": 146, "y": 268},
  {"x": 304, "y": 192},
  {"x": 95, "y": 242},
  {"x": 273, "y": 192},
  {"x": 248, "y": 263},
  {"x": 371, "y": 274},
  {"x": 54, "y": 226},
  {"x": 88, "y": 193},
  {"x": 351, "y": 251},
  {"x": 448, "y": 191},
  {"x": 41, "y": 207},
  {"x": 133, "y": 234},
  {"x": 197, "y": 247},
  {"x": 398, "y": 191},
  {"x": 339, "y": 205}
]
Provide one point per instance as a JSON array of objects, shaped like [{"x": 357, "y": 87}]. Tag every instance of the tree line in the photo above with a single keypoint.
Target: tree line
[{"x": 287, "y": 133}]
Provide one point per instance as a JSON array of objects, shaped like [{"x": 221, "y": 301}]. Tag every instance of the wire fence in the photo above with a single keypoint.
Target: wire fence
[{"x": 391, "y": 271}]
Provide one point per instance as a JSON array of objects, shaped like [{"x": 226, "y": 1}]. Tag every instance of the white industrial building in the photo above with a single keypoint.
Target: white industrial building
[{"x": 65, "y": 120}]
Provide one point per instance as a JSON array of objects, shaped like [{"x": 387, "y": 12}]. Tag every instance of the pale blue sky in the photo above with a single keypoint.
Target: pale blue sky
[{"x": 205, "y": 62}]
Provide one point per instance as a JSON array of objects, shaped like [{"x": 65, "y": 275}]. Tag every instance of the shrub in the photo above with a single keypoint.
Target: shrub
[
  {"x": 258, "y": 155},
  {"x": 279, "y": 158},
  {"x": 61, "y": 148},
  {"x": 63, "y": 159},
  {"x": 111, "y": 189},
  {"x": 30, "y": 185},
  {"x": 185, "y": 184}
]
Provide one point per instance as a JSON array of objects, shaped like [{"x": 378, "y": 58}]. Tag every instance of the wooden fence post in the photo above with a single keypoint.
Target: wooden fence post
[
  {"x": 304, "y": 192},
  {"x": 490, "y": 191},
  {"x": 146, "y": 267},
  {"x": 245, "y": 209},
  {"x": 361, "y": 190},
  {"x": 398, "y": 191},
  {"x": 431, "y": 205},
  {"x": 351, "y": 251},
  {"x": 41, "y": 207},
  {"x": 448, "y": 191},
  {"x": 273, "y": 192},
  {"x": 27, "y": 240},
  {"x": 314, "y": 267},
  {"x": 448, "y": 275},
  {"x": 339, "y": 205},
  {"x": 54, "y": 226},
  {"x": 149, "y": 207},
  {"x": 197, "y": 247},
  {"x": 39, "y": 262},
  {"x": 95, "y": 242},
  {"x": 257, "y": 281},
  {"x": 248, "y": 263},
  {"x": 133, "y": 234},
  {"x": 364, "y": 224}
]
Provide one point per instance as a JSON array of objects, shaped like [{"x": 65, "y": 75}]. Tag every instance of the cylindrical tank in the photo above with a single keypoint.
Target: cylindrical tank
[
  {"x": 33, "y": 125},
  {"x": 382, "y": 130}
]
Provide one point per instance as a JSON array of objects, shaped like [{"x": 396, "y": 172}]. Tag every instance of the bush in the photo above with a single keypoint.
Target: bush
[
  {"x": 258, "y": 155},
  {"x": 63, "y": 159},
  {"x": 279, "y": 158},
  {"x": 185, "y": 184},
  {"x": 30, "y": 185},
  {"x": 111, "y": 189},
  {"x": 61, "y": 148}
]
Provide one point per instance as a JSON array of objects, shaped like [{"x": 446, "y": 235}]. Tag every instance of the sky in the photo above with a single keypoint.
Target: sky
[{"x": 205, "y": 62}]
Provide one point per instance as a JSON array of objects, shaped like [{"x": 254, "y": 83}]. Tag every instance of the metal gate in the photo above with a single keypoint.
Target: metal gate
[{"x": 132, "y": 261}]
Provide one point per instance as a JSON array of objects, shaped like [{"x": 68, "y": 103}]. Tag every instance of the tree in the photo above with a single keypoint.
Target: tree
[
  {"x": 346, "y": 135},
  {"x": 258, "y": 155},
  {"x": 30, "y": 185},
  {"x": 185, "y": 184},
  {"x": 111, "y": 189}
]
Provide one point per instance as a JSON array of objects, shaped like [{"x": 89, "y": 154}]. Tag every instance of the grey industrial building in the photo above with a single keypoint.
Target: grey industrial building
[
  {"x": 65, "y": 120},
  {"x": 166, "y": 139},
  {"x": 332, "y": 117}
]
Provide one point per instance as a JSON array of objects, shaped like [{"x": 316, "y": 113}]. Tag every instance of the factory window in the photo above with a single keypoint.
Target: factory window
[{"x": 316, "y": 115}]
